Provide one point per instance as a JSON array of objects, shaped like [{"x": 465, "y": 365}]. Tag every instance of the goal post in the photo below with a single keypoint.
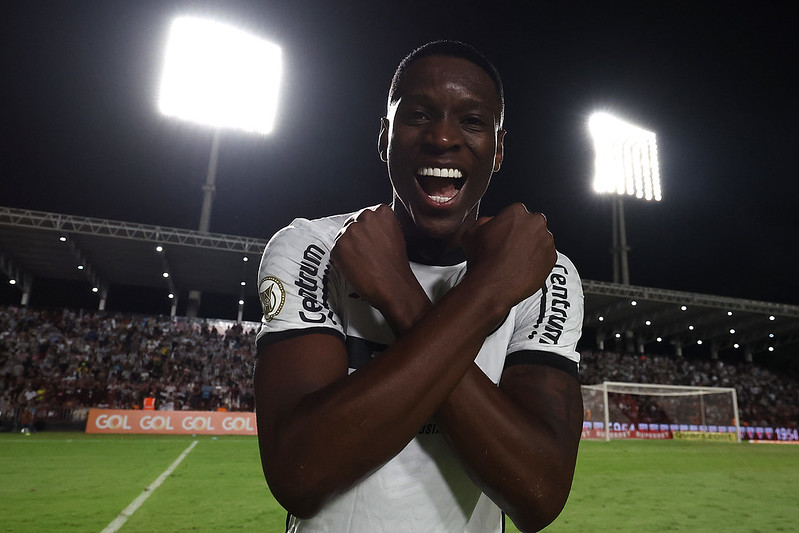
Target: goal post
[{"x": 615, "y": 406}]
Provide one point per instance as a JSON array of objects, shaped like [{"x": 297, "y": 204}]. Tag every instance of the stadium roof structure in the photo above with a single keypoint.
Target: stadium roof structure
[
  {"x": 123, "y": 253},
  {"x": 639, "y": 317},
  {"x": 103, "y": 253}
]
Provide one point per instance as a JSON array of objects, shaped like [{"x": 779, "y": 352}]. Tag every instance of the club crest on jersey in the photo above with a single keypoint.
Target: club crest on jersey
[{"x": 272, "y": 295}]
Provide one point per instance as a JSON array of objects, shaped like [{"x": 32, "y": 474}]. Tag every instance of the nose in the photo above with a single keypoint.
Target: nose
[{"x": 442, "y": 135}]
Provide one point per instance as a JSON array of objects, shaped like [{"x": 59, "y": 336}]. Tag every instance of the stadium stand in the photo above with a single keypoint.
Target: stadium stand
[
  {"x": 55, "y": 364},
  {"x": 765, "y": 397}
]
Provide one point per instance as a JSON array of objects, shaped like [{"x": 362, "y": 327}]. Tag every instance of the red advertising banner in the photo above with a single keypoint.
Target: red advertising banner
[{"x": 171, "y": 422}]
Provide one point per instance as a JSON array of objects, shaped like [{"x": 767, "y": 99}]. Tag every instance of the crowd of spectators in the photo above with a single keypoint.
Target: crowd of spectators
[
  {"x": 765, "y": 397},
  {"x": 56, "y": 360}
]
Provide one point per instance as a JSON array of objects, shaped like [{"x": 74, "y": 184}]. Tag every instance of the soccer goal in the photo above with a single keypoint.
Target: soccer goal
[{"x": 619, "y": 407}]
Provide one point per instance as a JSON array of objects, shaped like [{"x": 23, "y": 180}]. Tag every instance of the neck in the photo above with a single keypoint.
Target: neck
[{"x": 425, "y": 248}]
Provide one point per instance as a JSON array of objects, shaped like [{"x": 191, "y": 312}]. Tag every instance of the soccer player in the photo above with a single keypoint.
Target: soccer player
[{"x": 417, "y": 369}]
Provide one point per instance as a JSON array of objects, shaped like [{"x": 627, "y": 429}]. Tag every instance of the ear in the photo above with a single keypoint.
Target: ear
[
  {"x": 500, "y": 155},
  {"x": 382, "y": 140}
]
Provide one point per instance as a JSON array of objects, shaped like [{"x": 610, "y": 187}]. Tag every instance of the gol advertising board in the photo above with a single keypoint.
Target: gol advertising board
[{"x": 171, "y": 422}]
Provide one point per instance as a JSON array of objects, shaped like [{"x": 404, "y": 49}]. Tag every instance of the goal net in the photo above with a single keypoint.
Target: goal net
[{"x": 619, "y": 408}]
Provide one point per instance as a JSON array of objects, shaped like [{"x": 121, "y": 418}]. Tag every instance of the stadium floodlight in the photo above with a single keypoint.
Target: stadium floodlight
[
  {"x": 224, "y": 77},
  {"x": 219, "y": 75},
  {"x": 626, "y": 158},
  {"x": 625, "y": 164}
]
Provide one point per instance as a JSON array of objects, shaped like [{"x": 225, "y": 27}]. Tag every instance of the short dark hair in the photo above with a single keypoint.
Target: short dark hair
[{"x": 451, "y": 49}]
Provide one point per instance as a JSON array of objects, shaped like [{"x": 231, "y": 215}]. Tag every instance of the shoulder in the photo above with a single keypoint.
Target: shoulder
[
  {"x": 564, "y": 275},
  {"x": 321, "y": 231},
  {"x": 304, "y": 238},
  {"x": 564, "y": 266},
  {"x": 563, "y": 282},
  {"x": 294, "y": 278}
]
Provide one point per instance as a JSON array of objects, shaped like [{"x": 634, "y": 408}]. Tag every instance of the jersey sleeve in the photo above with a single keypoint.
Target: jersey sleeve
[
  {"x": 551, "y": 320},
  {"x": 294, "y": 282}
]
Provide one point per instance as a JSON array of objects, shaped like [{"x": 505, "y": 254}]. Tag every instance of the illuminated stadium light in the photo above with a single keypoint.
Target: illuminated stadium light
[
  {"x": 62, "y": 238},
  {"x": 80, "y": 267},
  {"x": 626, "y": 158},
  {"x": 165, "y": 274},
  {"x": 691, "y": 328},
  {"x": 241, "y": 302},
  {"x": 170, "y": 295},
  {"x": 95, "y": 289},
  {"x": 648, "y": 322},
  {"x": 159, "y": 248},
  {"x": 245, "y": 258},
  {"x": 243, "y": 283},
  {"x": 633, "y": 303},
  {"x": 732, "y": 331},
  {"x": 221, "y": 76},
  {"x": 772, "y": 317},
  {"x": 771, "y": 348},
  {"x": 625, "y": 164},
  {"x": 12, "y": 281},
  {"x": 683, "y": 308},
  {"x": 699, "y": 341}
]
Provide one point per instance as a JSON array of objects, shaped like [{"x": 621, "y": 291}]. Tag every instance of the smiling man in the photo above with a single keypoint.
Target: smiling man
[{"x": 417, "y": 364}]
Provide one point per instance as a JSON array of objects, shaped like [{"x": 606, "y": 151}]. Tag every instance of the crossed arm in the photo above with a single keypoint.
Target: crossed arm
[{"x": 322, "y": 430}]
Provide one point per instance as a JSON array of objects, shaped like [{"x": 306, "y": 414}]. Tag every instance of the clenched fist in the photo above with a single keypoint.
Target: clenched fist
[
  {"x": 370, "y": 253},
  {"x": 511, "y": 253}
]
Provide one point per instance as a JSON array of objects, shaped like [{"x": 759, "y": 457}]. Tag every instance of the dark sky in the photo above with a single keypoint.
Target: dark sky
[{"x": 81, "y": 133}]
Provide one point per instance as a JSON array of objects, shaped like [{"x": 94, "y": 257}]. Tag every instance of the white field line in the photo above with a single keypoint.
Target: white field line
[{"x": 134, "y": 506}]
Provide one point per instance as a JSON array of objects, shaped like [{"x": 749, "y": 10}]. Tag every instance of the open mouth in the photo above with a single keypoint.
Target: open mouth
[{"x": 441, "y": 185}]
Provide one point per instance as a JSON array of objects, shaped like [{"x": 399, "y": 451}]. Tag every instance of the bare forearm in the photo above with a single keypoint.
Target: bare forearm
[
  {"x": 338, "y": 434},
  {"x": 524, "y": 462}
]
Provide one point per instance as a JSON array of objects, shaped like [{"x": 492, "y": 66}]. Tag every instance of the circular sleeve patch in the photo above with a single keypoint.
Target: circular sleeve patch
[{"x": 272, "y": 295}]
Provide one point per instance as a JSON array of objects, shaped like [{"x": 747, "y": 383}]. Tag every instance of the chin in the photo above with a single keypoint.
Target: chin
[{"x": 440, "y": 228}]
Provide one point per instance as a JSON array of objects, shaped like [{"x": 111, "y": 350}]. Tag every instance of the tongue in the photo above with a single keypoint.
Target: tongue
[{"x": 441, "y": 187}]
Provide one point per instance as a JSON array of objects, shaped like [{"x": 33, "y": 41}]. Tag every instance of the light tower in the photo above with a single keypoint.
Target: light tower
[
  {"x": 223, "y": 77},
  {"x": 626, "y": 164}
]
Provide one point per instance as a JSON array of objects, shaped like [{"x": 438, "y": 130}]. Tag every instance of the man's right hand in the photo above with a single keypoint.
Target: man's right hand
[
  {"x": 370, "y": 253},
  {"x": 511, "y": 253}
]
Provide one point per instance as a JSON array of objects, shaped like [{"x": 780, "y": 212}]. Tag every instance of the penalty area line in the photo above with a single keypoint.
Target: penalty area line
[{"x": 117, "y": 522}]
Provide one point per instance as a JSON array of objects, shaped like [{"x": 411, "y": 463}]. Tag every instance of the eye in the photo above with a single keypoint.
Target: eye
[
  {"x": 415, "y": 116},
  {"x": 474, "y": 122}
]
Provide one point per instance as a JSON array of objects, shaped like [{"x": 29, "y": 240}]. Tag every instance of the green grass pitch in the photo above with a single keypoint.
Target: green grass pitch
[{"x": 75, "y": 482}]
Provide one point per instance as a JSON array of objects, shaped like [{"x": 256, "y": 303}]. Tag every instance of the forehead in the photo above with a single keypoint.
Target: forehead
[{"x": 450, "y": 76}]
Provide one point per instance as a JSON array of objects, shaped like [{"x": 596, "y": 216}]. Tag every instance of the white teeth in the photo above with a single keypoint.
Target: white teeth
[
  {"x": 441, "y": 172},
  {"x": 440, "y": 199}
]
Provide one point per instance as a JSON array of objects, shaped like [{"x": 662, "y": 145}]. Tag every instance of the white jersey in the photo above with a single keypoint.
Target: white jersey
[{"x": 423, "y": 488}]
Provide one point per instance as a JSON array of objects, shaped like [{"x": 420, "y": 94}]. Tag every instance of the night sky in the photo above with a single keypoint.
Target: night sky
[{"x": 82, "y": 135}]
